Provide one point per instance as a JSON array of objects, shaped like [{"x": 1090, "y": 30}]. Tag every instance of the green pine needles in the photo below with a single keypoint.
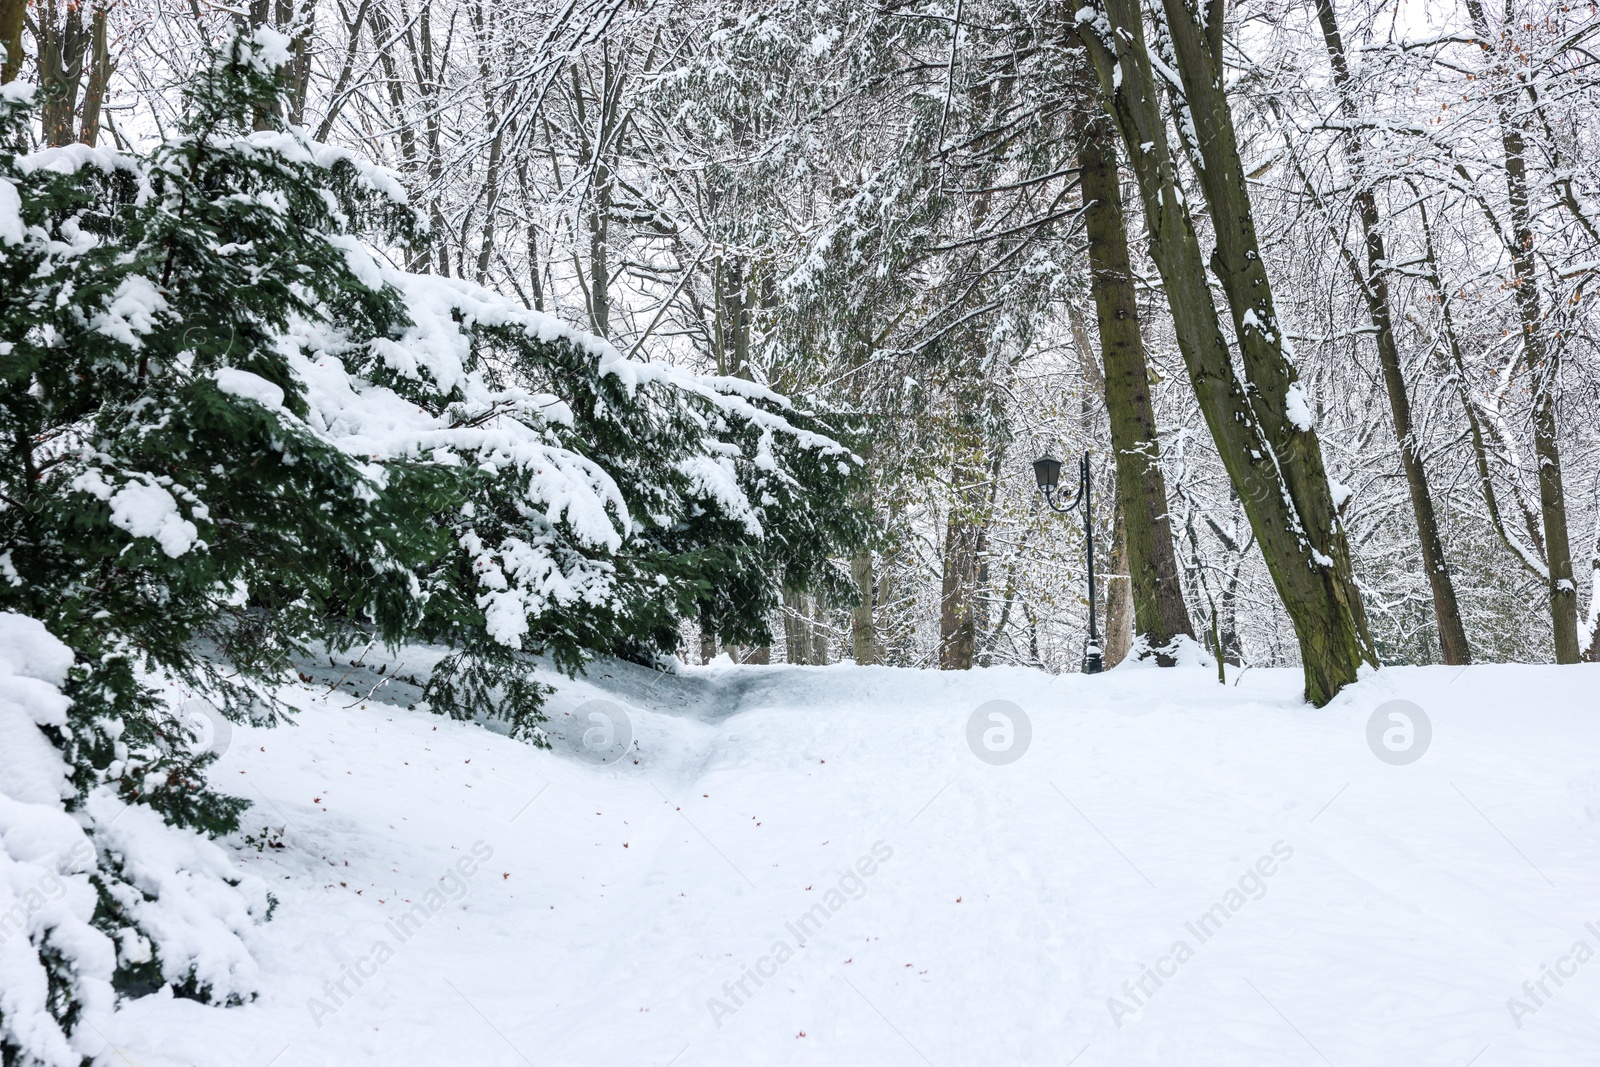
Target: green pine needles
[{"x": 233, "y": 436}]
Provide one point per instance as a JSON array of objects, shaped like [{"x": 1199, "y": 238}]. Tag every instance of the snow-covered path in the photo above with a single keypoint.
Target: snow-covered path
[{"x": 1173, "y": 872}]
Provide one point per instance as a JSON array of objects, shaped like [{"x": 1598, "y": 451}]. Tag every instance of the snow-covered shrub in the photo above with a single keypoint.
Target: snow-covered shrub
[
  {"x": 656, "y": 494},
  {"x": 230, "y": 433},
  {"x": 55, "y": 967},
  {"x": 92, "y": 896}
]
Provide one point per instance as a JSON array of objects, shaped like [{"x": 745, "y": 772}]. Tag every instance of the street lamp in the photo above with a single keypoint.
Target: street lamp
[{"x": 1047, "y": 472}]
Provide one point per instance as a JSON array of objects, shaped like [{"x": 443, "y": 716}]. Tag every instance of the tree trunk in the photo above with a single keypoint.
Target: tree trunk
[
  {"x": 425, "y": 69},
  {"x": 962, "y": 613},
  {"x": 796, "y": 628},
  {"x": 100, "y": 68},
  {"x": 957, "y": 622},
  {"x": 864, "y": 647},
  {"x": 491, "y": 121},
  {"x": 298, "y": 20},
  {"x": 1374, "y": 286},
  {"x": 1590, "y": 630},
  {"x": 491, "y": 204},
  {"x": 1481, "y": 432},
  {"x": 821, "y": 639},
  {"x": 1160, "y": 614},
  {"x": 12, "y": 17},
  {"x": 384, "y": 40},
  {"x": 863, "y": 634},
  {"x": 1274, "y": 460},
  {"x": 61, "y": 53},
  {"x": 337, "y": 96},
  {"x": 261, "y": 16},
  {"x": 1119, "y": 593},
  {"x": 1541, "y": 361},
  {"x": 736, "y": 315},
  {"x": 598, "y": 216}
]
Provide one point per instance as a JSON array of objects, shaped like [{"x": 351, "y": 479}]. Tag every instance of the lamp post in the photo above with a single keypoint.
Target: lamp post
[{"x": 1047, "y": 472}]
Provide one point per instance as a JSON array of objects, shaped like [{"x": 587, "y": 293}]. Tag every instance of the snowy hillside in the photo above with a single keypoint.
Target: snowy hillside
[{"x": 812, "y": 866}]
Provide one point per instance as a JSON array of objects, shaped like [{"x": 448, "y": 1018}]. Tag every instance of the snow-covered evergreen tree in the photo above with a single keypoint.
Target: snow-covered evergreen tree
[{"x": 233, "y": 436}]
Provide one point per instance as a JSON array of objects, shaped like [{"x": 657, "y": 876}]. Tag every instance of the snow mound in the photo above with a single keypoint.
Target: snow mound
[
  {"x": 181, "y": 900},
  {"x": 46, "y": 899}
]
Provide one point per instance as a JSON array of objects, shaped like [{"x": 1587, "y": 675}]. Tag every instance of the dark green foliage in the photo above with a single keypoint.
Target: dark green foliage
[{"x": 189, "y": 344}]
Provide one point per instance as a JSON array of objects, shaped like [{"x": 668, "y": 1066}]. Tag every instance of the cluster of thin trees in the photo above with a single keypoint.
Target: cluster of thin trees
[{"x": 1313, "y": 279}]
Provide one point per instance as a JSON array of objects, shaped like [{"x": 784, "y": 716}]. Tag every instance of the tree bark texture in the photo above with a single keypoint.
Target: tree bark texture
[
  {"x": 1160, "y": 614},
  {"x": 62, "y": 46},
  {"x": 863, "y": 633},
  {"x": 958, "y": 582},
  {"x": 100, "y": 69},
  {"x": 1119, "y": 593},
  {"x": 1274, "y": 460},
  {"x": 12, "y": 17}
]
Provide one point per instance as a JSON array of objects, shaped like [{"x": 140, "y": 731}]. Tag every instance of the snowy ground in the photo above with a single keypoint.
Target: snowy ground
[{"x": 1361, "y": 912}]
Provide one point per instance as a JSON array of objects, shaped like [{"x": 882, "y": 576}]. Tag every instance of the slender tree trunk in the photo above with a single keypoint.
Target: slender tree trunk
[
  {"x": 982, "y": 585},
  {"x": 957, "y": 624},
  {"x": 886, "y": 632},
  {"x": 1160, "y": 614},
  {"x": 973, "y": 480},
  {"x": 1002, "y": 626},
  {"x": 100, "y": 68},
  {"x": 1590, "y": 629},
  {"x": 338, "y": 95},
  {"x": 736, "y": 318},
  {"x": 1541, "y": 360},
  {"x": 599, "y": 254},
  {"x": 1272, "y": 455},
  {"x": 1374, "y": 286},
  {"x": 425, "y": 67},
  {"x": 962, "y": 613},
  {"x": 821, "y": 639},
  {"x": 863, "y": 634},
  {"x": 967, "y": 517},
  {"x": 261, "y": 16},
  {"x": 597, "y": 153},
  {"x": 385, "y": 41},
  {"x": 298, "y": 20},
  {"x": 1227, "y": 608},
  {"x": 1480, "y": 431},
  {"x": 863, "y": 625},
  {"x": 1119, "y": 592},
  {"x": 491, "y": 203},
  {"x": 796, "y": 627},
  {"x": 491, "y": 121},
  {"x": 1553, "y": 506},
  {"x": 531, "y": 229}
]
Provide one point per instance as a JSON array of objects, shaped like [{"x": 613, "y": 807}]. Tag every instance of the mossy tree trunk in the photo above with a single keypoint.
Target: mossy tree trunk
[
  {"x": 12, "y": 17},
  {"x": 1260, "y": 424},
  {"x": 1145, "y": 534}
]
